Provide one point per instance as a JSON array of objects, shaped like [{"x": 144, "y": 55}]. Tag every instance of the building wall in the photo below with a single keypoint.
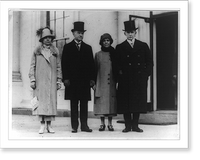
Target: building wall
[{"x": 96, "y": 24}]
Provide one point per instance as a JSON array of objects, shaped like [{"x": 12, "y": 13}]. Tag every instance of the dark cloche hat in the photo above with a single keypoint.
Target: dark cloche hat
[
  {"x": 129, "y": 26},
  {"x": 105, "y": 36},
  {"x": 78, "y": 26}
]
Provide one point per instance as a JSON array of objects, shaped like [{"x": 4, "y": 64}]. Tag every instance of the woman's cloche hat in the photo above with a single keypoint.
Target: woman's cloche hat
[
  {"x": 105, "y": 36},
  {"x": 78, "y": 26},
  {"x": 129, "y": 26},
  {"x": 45, "y": 32}
]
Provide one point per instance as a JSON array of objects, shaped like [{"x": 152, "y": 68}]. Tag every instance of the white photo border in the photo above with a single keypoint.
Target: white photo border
[{"x": 182, "y": 6}]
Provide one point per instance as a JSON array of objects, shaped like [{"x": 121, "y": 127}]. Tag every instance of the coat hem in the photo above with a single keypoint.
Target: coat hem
[
  {"x": 105, "y": 115},
  {"x": 142, "y": 112}
]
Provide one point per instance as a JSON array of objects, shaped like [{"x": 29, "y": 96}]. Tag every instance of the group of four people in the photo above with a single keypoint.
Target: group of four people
[{"x": 117, "y": 76}]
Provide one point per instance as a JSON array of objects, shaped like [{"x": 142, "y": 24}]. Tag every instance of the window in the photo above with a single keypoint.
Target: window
[{"x": 57, "y": 20}]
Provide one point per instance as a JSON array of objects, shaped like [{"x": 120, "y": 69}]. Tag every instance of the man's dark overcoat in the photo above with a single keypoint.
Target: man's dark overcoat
[
  {"x": 134, "y": 66},
  {"x": 79, "y": 68}
]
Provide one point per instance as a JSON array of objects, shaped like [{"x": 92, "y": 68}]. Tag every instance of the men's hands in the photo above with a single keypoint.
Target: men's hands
[
  {"x": 33, "y": 85},
  {"x": 66, "y": 83},
  {"x": 58, "y": 86},
  {"x": 92, "y": 84}
]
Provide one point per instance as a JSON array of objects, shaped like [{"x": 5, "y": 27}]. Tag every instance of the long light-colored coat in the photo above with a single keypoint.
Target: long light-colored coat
[
  {"x": 105, "y": 93},
  {"x": 46, "y": 74}
]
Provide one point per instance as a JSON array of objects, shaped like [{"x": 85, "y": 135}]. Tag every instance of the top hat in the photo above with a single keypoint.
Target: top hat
[
  {"x": 46, "y": 32},
  {"x": 129, "y": 26},
  {"x": 105, "y": 36},
  {"x": 78, "y": 26}
]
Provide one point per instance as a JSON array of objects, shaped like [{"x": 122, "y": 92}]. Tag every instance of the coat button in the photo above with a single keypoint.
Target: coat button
[
  {"x": 138, "y": 64},
  {"x": 129, "y": 64},
  {"x": 127, "y": 55}
]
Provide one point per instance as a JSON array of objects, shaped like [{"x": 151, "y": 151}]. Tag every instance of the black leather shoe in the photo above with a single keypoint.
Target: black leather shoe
[
  {"x": 102, "y": 127},
  {"x": 74, "y": 130},
  {"x": 110, "y": 128},
  {"x": 126, "y": 130},
  {"x": 137, "y": 129},
  {"x": 86, "y": 130}
]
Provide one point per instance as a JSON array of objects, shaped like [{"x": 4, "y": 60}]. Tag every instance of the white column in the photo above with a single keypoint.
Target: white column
[
  {"x": 15, "y": 46},
  {"x": 14, "y": 58},
  {"x": 29, "y": 23}
]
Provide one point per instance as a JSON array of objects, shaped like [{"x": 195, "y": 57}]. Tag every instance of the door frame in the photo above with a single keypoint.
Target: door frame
[
  {"x": 154, "y": 17},
  {"x": 149, "y": 20},
  {"x": 152, "y": 29}
]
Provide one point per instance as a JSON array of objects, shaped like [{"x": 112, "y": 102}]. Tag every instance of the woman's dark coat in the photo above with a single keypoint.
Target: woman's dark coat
[
  {"x": 134, "y": 66},
  {"x": 79, "y": 68}
]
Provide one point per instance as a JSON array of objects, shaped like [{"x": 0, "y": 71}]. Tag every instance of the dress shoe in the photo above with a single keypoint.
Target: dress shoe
[
  {"x": 102, "y": 127},
  {"x": 137, "y": 129},
  {"x": 50, "y": 129},
  {"x": 110, "y": 128},
  {"x": 126, "y": 130},
  {"x": 86, "y": 130},
  {"x": 74, "y": 130}
]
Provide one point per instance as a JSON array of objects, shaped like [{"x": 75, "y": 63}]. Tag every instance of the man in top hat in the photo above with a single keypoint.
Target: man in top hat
[
  {"x": 78, "y": 76},
  {"x": 134, "y": 68}
]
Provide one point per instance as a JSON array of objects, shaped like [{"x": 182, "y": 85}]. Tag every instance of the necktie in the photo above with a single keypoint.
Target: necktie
[
  {"x": 78, "y": 45},
  {"x": 132, "y": 44}
]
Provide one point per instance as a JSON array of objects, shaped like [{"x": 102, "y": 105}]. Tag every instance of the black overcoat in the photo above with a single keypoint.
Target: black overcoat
[
  {"x": 134, "y": 66},
  {"x": 79, "y": 68}
]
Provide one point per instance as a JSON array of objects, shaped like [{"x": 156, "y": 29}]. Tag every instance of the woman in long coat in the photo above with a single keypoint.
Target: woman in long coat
[
  {"x": 105, "y": 92},
  {"x": 45, "y": 76}
]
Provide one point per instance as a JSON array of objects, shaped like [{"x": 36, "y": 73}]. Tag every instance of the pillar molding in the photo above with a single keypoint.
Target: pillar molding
[
  {"x": 15, "y": 36},
  {"x": 16, "y": 76}
]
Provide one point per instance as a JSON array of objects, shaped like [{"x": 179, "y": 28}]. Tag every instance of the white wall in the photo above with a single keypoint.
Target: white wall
[{"x": 97, "y": 23}]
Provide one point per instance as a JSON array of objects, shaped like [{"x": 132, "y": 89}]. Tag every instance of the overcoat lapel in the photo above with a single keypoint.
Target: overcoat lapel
[
  {"x": 127, "y": 45},
  {"x": 75, "y": 47},
  {"x": 82, "y": 46},
  {"x": 135, "y": 47}
]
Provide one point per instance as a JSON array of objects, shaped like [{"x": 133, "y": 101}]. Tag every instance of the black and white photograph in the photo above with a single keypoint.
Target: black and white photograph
[{"x": 109, "y": 75}]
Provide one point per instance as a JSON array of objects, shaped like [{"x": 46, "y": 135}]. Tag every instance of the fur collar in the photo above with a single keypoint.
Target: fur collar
[{"x": 53, "y": 49}]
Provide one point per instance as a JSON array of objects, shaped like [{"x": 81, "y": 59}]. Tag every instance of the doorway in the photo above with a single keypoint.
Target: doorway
[{"x": 167, "y": 61}]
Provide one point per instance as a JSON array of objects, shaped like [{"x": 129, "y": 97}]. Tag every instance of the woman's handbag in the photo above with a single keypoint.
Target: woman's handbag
[{"x": 34, "y": 103}]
